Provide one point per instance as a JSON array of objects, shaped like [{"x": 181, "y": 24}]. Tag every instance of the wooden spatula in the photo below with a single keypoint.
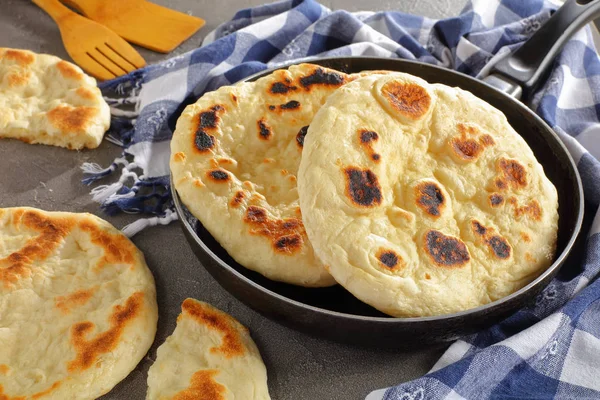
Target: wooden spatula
[
  {"x": 95, "y": 48},
  {"x": 141, "y": 22}
]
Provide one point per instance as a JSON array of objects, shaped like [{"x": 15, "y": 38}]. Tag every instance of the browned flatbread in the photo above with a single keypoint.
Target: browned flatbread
[
  {"x": 421, "y": 199},
  {"x": 77, "y": 305},
  {"x": 44, "y": 99},
  {"x": 210, "y": 355},
  {"x": 235, "y": 154}
]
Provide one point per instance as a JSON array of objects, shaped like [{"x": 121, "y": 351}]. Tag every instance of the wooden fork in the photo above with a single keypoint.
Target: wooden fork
[{"x": 95, "y": 48}]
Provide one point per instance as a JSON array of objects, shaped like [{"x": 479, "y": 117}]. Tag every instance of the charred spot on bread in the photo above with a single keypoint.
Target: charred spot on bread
[
  {"x": 282, "y": 87},
  {"x": 389, "y": 259},
  {"x": 218, "y": 175},
  {"x": 237, "y": 199},
  {"x": 498, "y": 245},
  {"x": 511, "y": 173},
  {"x": 290, "y": 105},
  {"x": 286, "y": 235},
  {"x": 264, "y": 131},
  {"x": 430, "y": 198},
  {"x": 408, "y": 99},
  {"x": 301, "y": 135},
  {"x": 362, "y": 187},
  {"x": 366, "y": 136},
  {"x": 205, "y": 122},
  {"x": 321, "y": 77},
  {"x": 496, "y": 200},
  {"x": 466, "y": 148},
  {"x": 446, "y": 251}
]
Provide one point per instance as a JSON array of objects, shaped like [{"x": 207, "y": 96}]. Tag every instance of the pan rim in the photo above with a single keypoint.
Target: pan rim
[{"x": 390, "y": 319}]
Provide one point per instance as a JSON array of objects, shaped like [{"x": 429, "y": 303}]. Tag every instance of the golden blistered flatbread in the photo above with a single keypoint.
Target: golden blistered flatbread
[
  {"x": 46, "y": 100},
  {"x": 77, "y": 305},
  {"x": 421, "y": 199},
  {"x": 234, "y": 158},
  {"x": 209, "y": 356}
]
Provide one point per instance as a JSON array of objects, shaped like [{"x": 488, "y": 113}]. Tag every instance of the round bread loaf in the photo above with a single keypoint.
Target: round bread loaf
[
  {"x": 77, "y": 305},
  {"x": 421, "y": 199},
  {"x": 234, "y": 158},
  {"x": 46, "y": 100},
  {"x": 209, "y": 356}
]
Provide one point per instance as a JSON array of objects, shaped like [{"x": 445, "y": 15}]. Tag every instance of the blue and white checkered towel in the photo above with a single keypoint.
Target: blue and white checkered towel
[{"x": 548, "y": 350}]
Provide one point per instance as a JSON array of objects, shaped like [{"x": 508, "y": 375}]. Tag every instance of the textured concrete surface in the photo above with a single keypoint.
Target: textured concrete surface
[{"x": 300, "y": 367}]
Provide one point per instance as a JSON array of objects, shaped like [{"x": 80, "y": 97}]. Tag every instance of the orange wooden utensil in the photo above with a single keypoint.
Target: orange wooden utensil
[
  {"x": 95, "y": 48},
  {"x": 141, "y": 22}
]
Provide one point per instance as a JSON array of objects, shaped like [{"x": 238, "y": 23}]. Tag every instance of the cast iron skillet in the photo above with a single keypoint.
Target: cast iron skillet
[{"x": 335, "y": 314}]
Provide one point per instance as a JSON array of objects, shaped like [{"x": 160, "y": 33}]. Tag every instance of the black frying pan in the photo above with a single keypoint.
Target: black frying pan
[{"x": 335, "y": 314}]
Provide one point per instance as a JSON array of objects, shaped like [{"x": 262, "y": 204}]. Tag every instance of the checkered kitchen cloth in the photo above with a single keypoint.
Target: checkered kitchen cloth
[{"x": 550, "y": 349}]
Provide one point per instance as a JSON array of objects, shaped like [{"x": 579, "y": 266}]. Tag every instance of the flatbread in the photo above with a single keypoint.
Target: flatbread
[
  {"x": 421, "y": 199},
  {"x": 77, "y": 305},
  {"x": 234, "y": 158},
  {"x": 46, "y": 100},
  {"x": 209, "y": 356}
]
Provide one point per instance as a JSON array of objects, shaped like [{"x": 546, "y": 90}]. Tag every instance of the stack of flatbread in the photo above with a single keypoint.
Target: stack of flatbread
[{"x": 420, "y": 199}]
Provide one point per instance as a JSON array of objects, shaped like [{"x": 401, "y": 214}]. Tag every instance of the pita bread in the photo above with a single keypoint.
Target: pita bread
[
  {"x": 234, "y": 158},
  {"x": 421, "y": 199},
  {"x": 46, "y": 100},
  {"x": 77, "y": 305},
  {"x": 209, "y": 356}
]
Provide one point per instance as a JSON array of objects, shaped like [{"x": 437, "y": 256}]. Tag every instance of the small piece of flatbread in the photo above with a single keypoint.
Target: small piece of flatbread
[
  {"x": 46, "y": 100},
  {"x": 209, "y": 356}
]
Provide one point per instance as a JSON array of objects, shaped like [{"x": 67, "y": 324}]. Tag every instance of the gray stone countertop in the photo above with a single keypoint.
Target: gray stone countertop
[{"x": 299, "y": 366}]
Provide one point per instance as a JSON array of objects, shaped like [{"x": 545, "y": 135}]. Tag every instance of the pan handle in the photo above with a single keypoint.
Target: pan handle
[{"x": 519, "y": 74}]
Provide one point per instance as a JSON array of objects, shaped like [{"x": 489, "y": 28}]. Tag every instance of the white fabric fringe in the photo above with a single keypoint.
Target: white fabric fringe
[
  {"x": 95, "y": 168},
  {"x": 143, "y": 223},
  {"x": 114, "y": 140},
  {"x": 101, "y": 193}
]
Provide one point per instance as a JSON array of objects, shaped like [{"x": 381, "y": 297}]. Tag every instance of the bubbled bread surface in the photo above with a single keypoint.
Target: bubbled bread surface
[
  {"x": 234, "y": 158},
  {"x": 421, "y": 199}
]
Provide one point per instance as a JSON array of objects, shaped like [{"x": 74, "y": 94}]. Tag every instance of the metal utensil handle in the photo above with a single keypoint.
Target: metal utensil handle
[{"x": 529, "y": 63}]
